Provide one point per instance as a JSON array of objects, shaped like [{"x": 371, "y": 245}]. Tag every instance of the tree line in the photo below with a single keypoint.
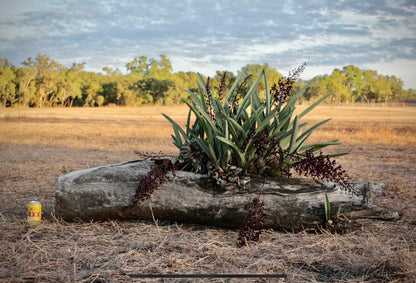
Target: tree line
[{"x": 43, "y": 82}]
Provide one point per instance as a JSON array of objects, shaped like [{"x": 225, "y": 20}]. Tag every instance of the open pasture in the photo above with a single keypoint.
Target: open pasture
[{"x": 38, "y": 145}]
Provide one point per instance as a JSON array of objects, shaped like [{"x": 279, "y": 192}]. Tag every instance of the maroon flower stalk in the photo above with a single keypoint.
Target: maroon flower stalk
[
  {"x": 321, "y": 167},
  {"x": 253, "y": 222},
  {"x": 241, "y": 89},
  {"x": 281, "y": 91},
  {"x": 294, "y": 74},
  {"x": 154, "y": 178},
  {"x": 221, "y": 89}
]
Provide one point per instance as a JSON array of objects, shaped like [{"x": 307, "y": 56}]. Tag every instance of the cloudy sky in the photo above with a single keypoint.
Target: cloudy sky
[{"x": 206, "y": 36}]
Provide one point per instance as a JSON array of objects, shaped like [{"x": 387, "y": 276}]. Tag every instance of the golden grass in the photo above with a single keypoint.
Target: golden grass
[
  {"x": 365, "y": 125},
  {"x": 37, "y": 145},
  {"x": 362, "y": 130},
  {"x": 109, "y": 128},
  {"x": 145, "y": 129}
]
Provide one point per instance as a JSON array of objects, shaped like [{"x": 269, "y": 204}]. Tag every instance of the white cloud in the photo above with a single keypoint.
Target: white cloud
[{"x": 207, "y": 36}]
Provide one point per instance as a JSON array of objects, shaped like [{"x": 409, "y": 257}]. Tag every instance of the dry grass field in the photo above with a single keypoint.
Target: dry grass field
[{"x": 38, "y": 145}]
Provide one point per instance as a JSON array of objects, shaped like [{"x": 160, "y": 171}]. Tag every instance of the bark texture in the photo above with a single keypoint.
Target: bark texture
[{"x": 107, "y": 192}]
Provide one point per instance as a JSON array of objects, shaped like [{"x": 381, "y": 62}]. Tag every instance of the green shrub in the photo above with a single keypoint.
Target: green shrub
[{"x": 239, "y": 135}]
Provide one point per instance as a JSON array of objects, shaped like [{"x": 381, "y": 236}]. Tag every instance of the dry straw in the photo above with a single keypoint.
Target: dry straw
[{"x": 110, "y": 251}]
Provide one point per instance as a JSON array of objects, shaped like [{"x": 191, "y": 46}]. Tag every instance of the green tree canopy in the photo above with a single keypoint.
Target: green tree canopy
[
  {"x": 41, "y": 81},
  {"x": 156, "y": 88},
  {"x": 7, "y": 83}
]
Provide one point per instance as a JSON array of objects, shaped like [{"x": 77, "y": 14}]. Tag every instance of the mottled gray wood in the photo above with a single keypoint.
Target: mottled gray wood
[{"x": 107, "y": 192}]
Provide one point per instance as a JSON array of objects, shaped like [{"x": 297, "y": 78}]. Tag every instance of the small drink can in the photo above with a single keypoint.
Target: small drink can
[{"x": 34, "y": 210}]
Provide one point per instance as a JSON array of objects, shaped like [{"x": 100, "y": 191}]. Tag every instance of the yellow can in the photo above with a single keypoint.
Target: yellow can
[{"x": 34, "y": 215}]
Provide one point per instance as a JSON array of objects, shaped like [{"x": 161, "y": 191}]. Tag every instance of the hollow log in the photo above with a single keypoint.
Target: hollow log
[{"x": 107, "y": 192}]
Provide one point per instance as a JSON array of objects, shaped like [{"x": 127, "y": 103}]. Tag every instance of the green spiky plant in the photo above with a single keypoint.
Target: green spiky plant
[
  {"x": 251, "y": 136},
  {"x": 327, "y": 207},
  {"x": 239, "y": 135}
]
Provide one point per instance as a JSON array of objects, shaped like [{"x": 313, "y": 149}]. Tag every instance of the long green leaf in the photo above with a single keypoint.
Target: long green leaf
[
  {"x": 290, "y": 105},
  {"x": 201, "y": 92},
  {"x": 250, "y": 92},
  {"x": 294, "y": 135},
  {"x": 311, "y": 129},
  {"x": 268, "y": 98},
  {"x": 239, "y": 154},
  {"x": 238, "y": 133},
  {"x": 338, "y": 154},
  {"x": 177, "y": 143},
  {"x": 267, "y": 121},
  {"x": 233, "y": 88},
  {"x": 312, "y": 106},
  {"x": 279, "y": 123},
  {"x": 188, "y": 123},
  {"x": 318, "y": 146},
  {"x": 201, "y": 115},
  {"x": 327, "y": 205},
  {"x": 300, "y": 142},
  {"x": 194, "y": 97},
  {"x": 207, "y": 148},
  {"x": 177, "y": 129}
]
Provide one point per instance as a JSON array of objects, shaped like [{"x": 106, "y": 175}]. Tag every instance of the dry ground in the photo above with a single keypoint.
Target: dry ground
[{"x": 38, "y": 145}]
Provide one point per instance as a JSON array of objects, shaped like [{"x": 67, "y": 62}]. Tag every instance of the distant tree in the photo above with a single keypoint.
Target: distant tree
[
  {"x": 7, "y": 83},
  {"x": 176, "y": 91},
  {"x": 158, "y": 69},
  {"x": 354, "y": 81},
  {"x": 157, "y": 89},
  {"x": 376, "y": 88},
  {"x": 300, "y": 84},
  {"x": 215, "y": 82},
  {"x": 108, "y": 71},
  {"x": 272, "y": 74},
  {"x": 43, "y": 82},
  {"x": 409, "y": 96},
  {"x": 317, "y": 87},
  {"x": 190, "y": 79},
  {"x": 396, "y": 88},
  {"x": 48, "y": 72},
  {"x": 162, "y": 69},
  {"x": 99, "y": 100},
  {"x": 353, "y": 84},
  {"x": 112, "y": 92},
  {"x": 70, "y": 85},
  {"x": 156, "y": 82},
  {"x": 132, "y": 95},
  {"x": 26, "y": 84},
  {"x": 90, "y": 91},
  {"x": 138, "y": 65},
  {"x": 337, "y": 85}
]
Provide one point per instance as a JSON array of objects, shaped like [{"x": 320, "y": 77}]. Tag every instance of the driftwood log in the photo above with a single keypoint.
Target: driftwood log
[{"x": 107, "y": 192}]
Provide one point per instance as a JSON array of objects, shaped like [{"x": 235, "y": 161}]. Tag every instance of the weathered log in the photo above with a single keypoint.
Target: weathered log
[{"x": 107, "y": 192}]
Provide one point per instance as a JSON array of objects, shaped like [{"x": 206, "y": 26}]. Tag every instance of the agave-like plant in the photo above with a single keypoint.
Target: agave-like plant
[{"x": 242, "y": 130}]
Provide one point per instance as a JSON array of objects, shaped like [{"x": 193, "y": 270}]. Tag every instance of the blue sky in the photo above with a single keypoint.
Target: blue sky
[{"x": 205, "y": 36}]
